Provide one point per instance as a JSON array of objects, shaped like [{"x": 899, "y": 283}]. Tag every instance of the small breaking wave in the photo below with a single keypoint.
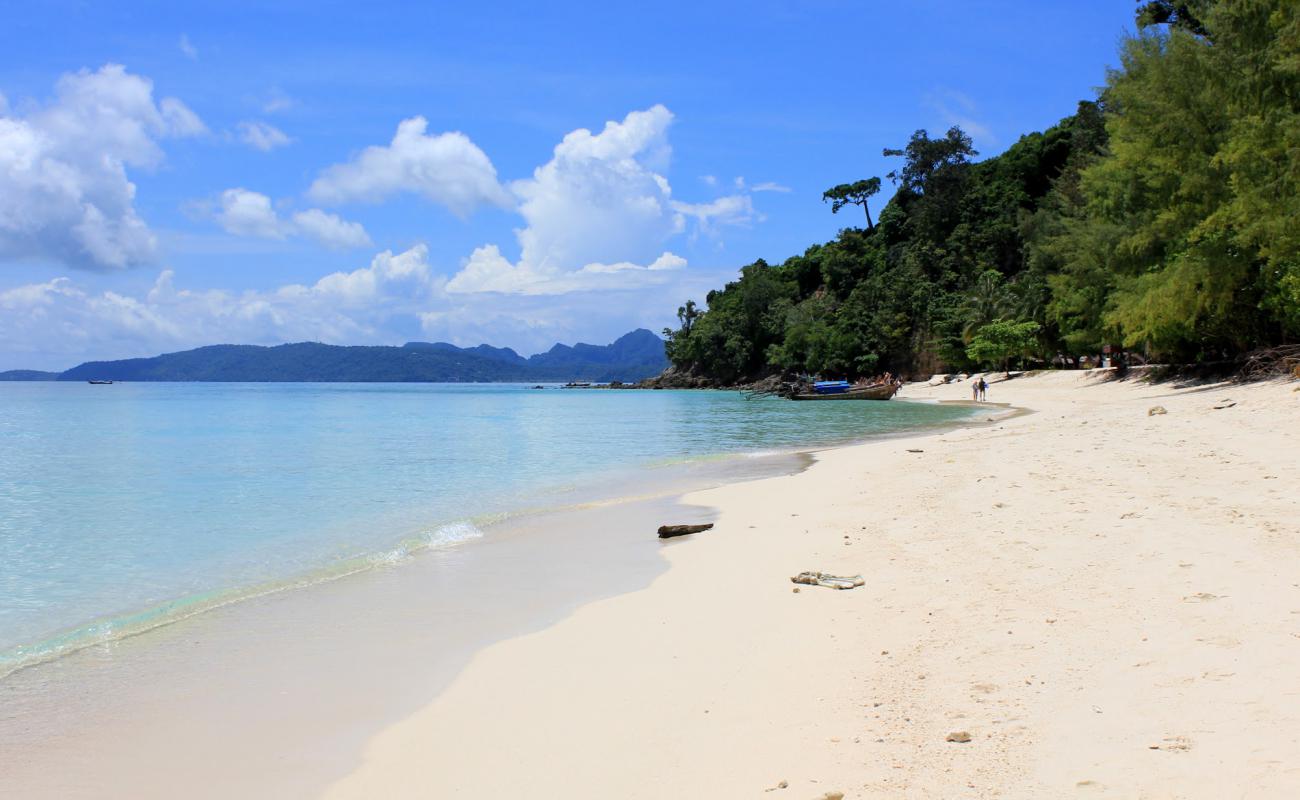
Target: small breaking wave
[{"x": 122, "y": 626}]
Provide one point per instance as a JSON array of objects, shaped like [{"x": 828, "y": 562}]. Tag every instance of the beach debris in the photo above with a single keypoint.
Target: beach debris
[
  {"x": 960, "y": 737},
  {"x": 828, "y": 580},
  {"x": 1225, "y": 403},
  {"x": 795, "y": 590},
  {"x": 1154, "y": 410},
  {"x": 830, "y": 796},
  {"x": 779, "y": 785},
  {"x": 914, "y": 450},
  {"x": 669, "y": 531}
]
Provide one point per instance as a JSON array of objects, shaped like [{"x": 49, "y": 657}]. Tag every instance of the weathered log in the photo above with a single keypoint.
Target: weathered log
[{"x": 669, "y": 531}]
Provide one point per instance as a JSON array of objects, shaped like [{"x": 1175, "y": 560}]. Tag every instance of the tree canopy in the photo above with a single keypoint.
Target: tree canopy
[
  {"x": 856, "y": 193},
  {"x": 1163, "y": 217}
]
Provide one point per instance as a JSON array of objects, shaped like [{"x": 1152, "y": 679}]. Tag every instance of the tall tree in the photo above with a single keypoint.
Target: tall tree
[{"x": 856, "y": 193}]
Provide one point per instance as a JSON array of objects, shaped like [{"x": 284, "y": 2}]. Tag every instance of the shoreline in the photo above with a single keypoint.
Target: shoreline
[
  {"x": 1025, "y": 611},
  {"x": 106, "y": 630},
  {"x": 236, "y": 682}
]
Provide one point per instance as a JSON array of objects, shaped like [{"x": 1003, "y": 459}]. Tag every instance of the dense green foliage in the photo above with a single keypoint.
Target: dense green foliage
[
  {"x": 631, "y": 357},
  {"x": 996, "y": 343},
  {"x": 1163, "y": 218}
]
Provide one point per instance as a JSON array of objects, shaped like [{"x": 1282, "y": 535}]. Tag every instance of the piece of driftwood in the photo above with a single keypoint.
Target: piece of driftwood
[
  {"x": 669, "y": 531},
  {"x": 828, "y": 580}
]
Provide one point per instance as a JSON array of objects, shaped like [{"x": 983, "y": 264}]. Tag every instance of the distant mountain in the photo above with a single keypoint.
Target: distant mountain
[
  {"x": 28, "y": 375},
  {"x": 633, "y": 356}
]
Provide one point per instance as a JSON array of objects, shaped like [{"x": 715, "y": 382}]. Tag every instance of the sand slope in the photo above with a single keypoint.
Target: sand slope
[{"x": 1107, "y": 602}]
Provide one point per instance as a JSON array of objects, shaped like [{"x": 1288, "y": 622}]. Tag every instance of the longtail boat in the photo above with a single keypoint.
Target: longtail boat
[{"x": 879, "y": 391}]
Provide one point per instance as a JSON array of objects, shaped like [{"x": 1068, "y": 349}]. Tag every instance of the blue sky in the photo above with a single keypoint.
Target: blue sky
[{"x": 172, "y": 176}]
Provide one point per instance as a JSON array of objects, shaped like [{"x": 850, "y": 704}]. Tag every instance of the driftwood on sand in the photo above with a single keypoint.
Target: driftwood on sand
[
  {"x": 669, "y": 531},
  {"x": 828, "y": 580}
]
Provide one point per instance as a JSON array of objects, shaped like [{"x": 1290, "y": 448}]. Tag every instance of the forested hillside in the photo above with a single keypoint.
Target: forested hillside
[{"x": 1162, "y": 218}]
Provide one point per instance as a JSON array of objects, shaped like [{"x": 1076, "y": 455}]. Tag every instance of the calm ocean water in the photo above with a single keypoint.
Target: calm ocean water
[{"x": 126, "y": 505}]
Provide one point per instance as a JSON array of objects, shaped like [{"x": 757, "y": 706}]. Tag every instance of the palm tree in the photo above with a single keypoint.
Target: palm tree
[{"x": 989, "y": 299}]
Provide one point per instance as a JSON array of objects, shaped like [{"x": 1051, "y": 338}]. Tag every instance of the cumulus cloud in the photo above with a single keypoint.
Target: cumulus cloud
[
  {"x": 64, "y": 191},
  {"x": 733, "y": 210},
  {"x": 261, "y": 136},
  {"x": 248, "y": 213},
  {"x": 343, "y": 307},
  {"x": 597, "y": 209},
  {"x": 330, "y": 229},
  {"x": 446, "y": 168},
  {"x": 394, "y": 298}
]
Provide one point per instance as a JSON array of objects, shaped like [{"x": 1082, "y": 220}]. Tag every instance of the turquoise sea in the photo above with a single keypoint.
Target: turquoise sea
[{"x": 125, "y": 506}]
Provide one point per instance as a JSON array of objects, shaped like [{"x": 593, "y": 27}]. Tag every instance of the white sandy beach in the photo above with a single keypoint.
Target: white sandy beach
[{"x": 1107, "y": 602}]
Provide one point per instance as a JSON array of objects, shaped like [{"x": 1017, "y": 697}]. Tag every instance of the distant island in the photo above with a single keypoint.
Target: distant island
[{"x": 631, "y": 357}]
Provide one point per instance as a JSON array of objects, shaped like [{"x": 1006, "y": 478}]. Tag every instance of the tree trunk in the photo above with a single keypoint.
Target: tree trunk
[{"x": 870, "y": 226}]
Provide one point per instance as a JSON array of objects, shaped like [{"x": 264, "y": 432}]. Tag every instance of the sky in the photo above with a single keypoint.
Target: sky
[{"x": 373, "y": 173}]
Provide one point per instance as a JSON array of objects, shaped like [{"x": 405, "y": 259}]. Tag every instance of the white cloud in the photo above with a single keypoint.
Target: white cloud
[
  {"x": 262, "y": 136},
  {"x": 733, "y": 210},
  {"x": 596, "y": 210},
  {"x": 187, "y": 47},
  {"x": 447, "y": 168},
  {"x": 396, "y": 297},
  {"x": 343, "y": 307},
  {"x": 278, "y": 101},
  {"x": 248, "y": 213},
  {"x": 769, "y": 187},
  {"x": 955, "y": 108},
  {"x": 330, "y": 230},
  {"x": 64, "y": 191}
]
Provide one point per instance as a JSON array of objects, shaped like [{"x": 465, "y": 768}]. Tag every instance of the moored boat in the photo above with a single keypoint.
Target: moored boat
[
  {"x": 98, "y": 383},
  {"x": 879, "y": 391}
]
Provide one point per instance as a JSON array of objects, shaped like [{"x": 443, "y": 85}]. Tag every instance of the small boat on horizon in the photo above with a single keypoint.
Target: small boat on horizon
[{"x": 98, "y": 382}]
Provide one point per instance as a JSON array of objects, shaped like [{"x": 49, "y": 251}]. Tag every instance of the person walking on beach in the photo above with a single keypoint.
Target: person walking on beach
[
  {"x": 983, "y": 388},
  {"x": 975, "y": 389}
]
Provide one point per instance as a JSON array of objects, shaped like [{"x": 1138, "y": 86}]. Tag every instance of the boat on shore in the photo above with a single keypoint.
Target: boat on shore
[{"x": 878, "y": 391}]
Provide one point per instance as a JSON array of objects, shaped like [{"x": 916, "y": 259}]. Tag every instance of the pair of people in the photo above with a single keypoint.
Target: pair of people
[{"x": 979, "y": 390}]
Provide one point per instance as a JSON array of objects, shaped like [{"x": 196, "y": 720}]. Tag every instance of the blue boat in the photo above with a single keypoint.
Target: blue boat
[{"x": 831, "y": 387}]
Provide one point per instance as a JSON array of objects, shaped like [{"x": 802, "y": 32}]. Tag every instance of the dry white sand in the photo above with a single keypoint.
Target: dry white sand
[{"x": 1107, "y": 602}]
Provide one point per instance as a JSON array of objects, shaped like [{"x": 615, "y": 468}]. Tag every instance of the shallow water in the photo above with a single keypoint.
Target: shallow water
[{"x": 125, "y": 506}]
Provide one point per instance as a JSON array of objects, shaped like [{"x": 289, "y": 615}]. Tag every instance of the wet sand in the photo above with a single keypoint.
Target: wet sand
[{"x": 276, "y": 697}]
